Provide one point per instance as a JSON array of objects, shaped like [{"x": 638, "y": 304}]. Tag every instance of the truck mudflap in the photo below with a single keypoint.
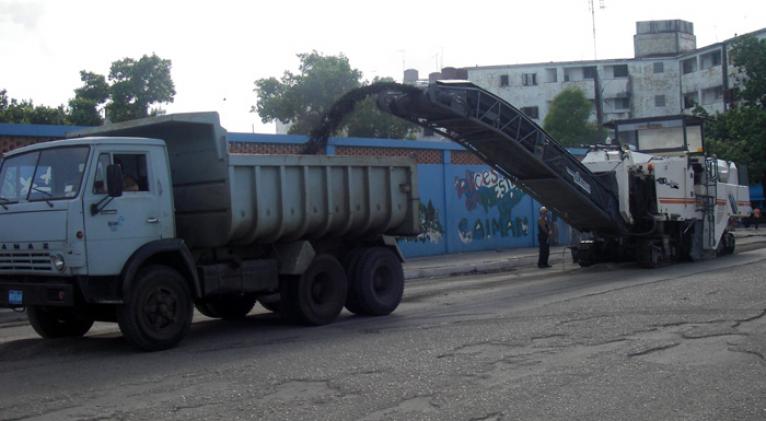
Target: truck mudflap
[{"x": 22, "y": 294}]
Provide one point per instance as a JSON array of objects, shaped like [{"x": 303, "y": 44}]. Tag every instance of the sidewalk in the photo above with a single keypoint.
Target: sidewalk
[{"x": 481, "y": 262}]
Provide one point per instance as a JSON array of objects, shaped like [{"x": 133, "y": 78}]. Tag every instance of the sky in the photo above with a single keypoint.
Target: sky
[{"x": 219, "y": 48}]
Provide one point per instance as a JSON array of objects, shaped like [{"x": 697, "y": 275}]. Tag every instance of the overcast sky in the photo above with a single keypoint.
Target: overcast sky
[{"x": 219, "y": 48}]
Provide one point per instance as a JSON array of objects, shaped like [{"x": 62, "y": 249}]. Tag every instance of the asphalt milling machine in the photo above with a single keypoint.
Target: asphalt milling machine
[{"x": 652, "y": 196}]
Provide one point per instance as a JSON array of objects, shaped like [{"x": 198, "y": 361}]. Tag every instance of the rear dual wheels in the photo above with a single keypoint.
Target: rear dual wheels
[
  {"x": 317, "y": 296},
  {"x": 376, "y": 281}
]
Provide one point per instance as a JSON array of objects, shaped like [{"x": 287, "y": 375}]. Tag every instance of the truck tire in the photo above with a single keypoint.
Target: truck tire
[
  {"x": 350, "y": 263},
  {"x": 227, "y": 307},
  {"x": 378, "y": 283},
  {"x": 726, "y": 245},
  {"x": 58, "y": 322},
  {"x": 317, "y": 296},
  {"x": 157, "y": 311}
]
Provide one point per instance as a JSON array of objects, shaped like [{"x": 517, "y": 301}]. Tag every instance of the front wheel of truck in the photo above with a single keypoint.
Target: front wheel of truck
[
  {"x": 157, "y": 311},
  {"x": 58, "y": 322}
]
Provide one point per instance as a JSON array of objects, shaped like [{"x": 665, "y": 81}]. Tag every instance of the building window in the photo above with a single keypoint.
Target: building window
[
  {"x": 659, "y": 67},
  {"x": 503, "y": 80},
  {"x": 622, "y": 103},
  {"x": 689, "y": 65},
  {"x": 659, "y": 100},
  {"x": 620, "y": 70},
  {"x": 712, "y": 95},
  {"x": 589, "y": 72},
  {"x": 690, "y": 100},
  {"x": 711, "y": 59},
  {"x": 551, "y": 75},
  {"x": 529, "y": 79},
  {"x": 531, "y": 112}
]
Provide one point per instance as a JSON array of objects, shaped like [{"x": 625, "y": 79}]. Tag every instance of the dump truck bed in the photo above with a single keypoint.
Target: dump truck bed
[{"x": 226, "y": 199}]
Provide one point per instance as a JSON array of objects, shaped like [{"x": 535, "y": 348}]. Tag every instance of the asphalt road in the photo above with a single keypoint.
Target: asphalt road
[{"x": 613, "y": 342}]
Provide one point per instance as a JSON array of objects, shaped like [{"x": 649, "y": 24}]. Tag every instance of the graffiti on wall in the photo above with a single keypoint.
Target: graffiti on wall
[
  {"x": 431, "y": 228},
  {"x": 489, "y": 190}
]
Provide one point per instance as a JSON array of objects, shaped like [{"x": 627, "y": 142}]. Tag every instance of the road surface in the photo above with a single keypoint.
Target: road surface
[{"x": 686, "y": 341}]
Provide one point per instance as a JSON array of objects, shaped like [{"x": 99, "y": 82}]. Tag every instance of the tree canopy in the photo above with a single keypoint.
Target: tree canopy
[
  {"x": 25, "y": 111},
  {"x": 132, "y": 88},
  {"x": 749, "y": 55},
  {"x": 567, "y": 119},
  {"x": 301, "y": 99}
]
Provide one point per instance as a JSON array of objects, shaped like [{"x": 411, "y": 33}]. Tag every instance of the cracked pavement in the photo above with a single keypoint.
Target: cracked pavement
[{"x": 608, "y": 342}]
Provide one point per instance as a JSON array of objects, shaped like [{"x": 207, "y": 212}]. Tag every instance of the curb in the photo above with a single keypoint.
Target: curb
[{"x": 478, "y": 266}]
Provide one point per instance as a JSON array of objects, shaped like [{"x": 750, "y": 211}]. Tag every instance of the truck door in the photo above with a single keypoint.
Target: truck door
[{"x": 127, "y": 222}]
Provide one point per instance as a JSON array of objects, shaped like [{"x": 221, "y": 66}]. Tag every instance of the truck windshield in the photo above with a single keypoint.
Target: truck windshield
[{"x": 49, "y": 174}]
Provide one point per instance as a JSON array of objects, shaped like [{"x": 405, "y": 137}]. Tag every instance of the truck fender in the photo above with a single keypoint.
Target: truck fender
[
  {"x": 390, "y": 241},
  {"x": 183, "y": 262}
]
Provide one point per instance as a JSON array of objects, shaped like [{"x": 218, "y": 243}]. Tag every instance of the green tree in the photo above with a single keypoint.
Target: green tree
[
  {"x": 749, "y": 55},
  {"x": 567, "y": 119},
  {"x": 738, "y": 135},
  {"x": 302, "y": 99},
  {"x": 84, "y": 107},
  {"x": 25, "y": 111},
  {"x": 133, "y": 87},
  {"x": 137, "y": 85}
]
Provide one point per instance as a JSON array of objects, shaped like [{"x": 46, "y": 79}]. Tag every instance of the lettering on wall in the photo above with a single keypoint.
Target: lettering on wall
[{"x": 482, "y": 192}]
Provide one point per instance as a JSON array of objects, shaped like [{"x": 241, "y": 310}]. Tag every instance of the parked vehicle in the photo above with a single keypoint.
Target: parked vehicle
[{"x": 138, "y": 222}]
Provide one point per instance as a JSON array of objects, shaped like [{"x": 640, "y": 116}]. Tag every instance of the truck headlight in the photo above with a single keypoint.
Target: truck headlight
[{"x": 58, "y": 262}]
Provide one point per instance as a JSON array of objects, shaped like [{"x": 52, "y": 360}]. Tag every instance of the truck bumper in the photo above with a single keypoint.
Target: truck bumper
[{"x": 21, "y": 294}]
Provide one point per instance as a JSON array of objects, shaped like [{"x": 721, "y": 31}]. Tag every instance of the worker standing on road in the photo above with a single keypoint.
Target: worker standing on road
[{"x": 543, "y": 237}]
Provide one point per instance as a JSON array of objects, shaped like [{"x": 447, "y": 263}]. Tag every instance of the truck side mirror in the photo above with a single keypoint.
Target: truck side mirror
[{"x": 114, "y": 180}]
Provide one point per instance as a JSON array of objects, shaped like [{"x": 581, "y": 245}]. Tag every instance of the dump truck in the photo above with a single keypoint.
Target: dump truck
[
  {"x": 139, "y": 222},
  {"x": 653, "y": 195}
]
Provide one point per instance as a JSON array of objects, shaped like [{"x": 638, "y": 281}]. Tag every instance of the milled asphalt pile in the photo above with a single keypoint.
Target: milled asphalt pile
[{"x": 477, "y": 262}]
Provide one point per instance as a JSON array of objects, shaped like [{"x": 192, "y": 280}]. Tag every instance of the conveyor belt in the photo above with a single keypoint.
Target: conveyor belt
[{"x": 509, "y": 141}]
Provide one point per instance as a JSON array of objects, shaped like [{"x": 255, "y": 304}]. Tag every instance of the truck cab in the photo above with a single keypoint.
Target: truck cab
[{"x": 59, "y": 219}]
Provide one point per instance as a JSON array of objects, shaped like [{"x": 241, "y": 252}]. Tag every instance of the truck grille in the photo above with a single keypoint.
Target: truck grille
[{"x": 38, "y": 261}]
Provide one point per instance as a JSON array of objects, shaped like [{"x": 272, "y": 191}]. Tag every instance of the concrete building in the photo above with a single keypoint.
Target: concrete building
[{"x": 667, "y": 75}]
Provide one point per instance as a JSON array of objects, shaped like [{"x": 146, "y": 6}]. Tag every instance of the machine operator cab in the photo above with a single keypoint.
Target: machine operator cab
[
  {"x": 679, "y": 135},
  {"x": 669, "y": 135}
]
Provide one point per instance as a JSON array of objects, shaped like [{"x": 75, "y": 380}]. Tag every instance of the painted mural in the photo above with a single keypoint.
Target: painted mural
[
  {"x": 489, "y": 191},
  {"x": 432, "y": 231}
]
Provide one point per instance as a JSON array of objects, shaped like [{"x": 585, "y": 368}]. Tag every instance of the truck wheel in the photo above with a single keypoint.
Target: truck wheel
[
  {"x": 58, "y": 322},
  {"x": 350, "y": 263},
  {"x": 726, "y": 245},
  {"x": 378, "y": 283},
  {"x": 157, "y": 311},
  {"x": 227, "y": 307},
  {"x": 318, "y": 295}
]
